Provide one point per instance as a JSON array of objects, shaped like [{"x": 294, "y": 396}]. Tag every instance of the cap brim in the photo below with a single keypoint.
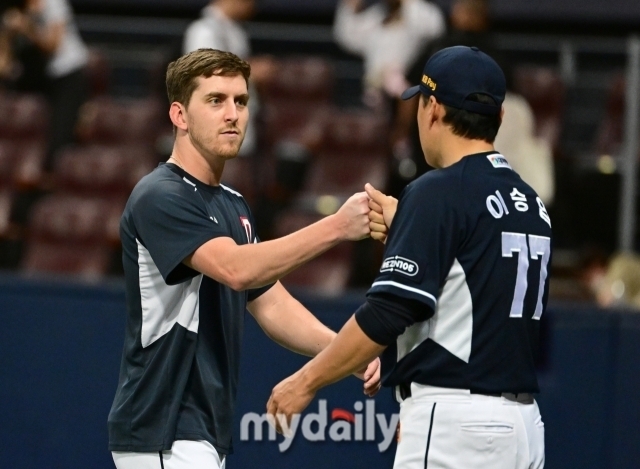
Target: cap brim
[{"x": 411, "y": 92}]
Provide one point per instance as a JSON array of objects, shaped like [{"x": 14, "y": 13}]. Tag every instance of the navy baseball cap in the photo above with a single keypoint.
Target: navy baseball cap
[{"x": 452, "y": 74}]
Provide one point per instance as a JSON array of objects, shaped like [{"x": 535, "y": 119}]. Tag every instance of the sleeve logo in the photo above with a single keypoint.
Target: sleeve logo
[
  {"x": 400, "y": 264},
  {"x": 498, "y": 161},
  {"x": 246, "y": 224}
]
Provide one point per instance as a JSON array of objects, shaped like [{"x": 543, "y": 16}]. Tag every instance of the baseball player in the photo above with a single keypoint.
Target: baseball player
[
  {"x": 192, "y": 265},
  {"x": 456, "y": 308}
]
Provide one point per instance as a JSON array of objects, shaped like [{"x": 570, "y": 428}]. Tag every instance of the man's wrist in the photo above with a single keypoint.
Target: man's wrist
[
  {"x": 338, "y": 228},
  {"x": 308, "y": 381}
]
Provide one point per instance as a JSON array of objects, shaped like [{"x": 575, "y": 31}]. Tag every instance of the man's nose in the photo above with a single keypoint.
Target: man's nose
[{"x": 230, "y": 112}]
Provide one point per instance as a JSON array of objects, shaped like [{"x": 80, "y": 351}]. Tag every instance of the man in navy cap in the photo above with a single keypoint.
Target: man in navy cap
[{"x": 456, "y": 308}]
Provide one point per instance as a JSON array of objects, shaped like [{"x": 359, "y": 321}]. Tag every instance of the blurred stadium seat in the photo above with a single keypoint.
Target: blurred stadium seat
[
  {"x": 294, "y": 120},
  {"x": 298, "y": 99},
  {"x": 23, "y": 116},
  {"x": 69, "y": 218},
  {"x": 98, "y": 72},
  {"x": 72, "y": 235},
  {"x": 327, "y": 274},
  {"x": 355, "y": 131},
  {"x": 103, "y": 169},
  {"x": 304, "y": 79},
  {"x": 239, "y": 174},
  {"x": 22, "y": 163},
  {"x": 114, "y": 121},
  {"x": 86, "y": 262},
  {"x": 353, "y": 152},
  {"x": 345, "y": 173},
  {"x": 6, "y": 162}
]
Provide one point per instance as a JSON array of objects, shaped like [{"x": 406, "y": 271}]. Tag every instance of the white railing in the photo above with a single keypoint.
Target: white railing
[{"x": 628, "y": 194}]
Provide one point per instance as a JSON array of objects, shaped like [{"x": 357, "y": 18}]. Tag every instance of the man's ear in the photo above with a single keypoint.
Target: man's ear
[
  {"x": 178, "y": 115},
  {"x": 435, "y": 110}
]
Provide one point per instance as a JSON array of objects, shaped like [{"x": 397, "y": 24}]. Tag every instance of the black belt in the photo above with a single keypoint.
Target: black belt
[
  {"x": 491, "y": 394},
  {"x": 405, "y": 391}
]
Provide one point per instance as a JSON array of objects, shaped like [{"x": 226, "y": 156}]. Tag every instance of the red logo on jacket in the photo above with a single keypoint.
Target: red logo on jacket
[{"x": 247, "y": 228}]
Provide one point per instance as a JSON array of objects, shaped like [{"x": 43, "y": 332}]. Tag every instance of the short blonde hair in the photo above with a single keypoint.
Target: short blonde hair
[{"x": 182, "y": 73}]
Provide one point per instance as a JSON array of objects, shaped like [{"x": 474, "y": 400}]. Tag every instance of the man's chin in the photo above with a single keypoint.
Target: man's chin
[{"x": 228, "y": 152}]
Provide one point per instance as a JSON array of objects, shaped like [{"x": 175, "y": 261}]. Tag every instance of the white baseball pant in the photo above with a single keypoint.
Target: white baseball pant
[
  {"x": 443, "y": 428},
  {"x": 184, "y": 454}
]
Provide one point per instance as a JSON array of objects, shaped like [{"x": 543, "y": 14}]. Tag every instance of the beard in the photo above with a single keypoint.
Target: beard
[{"x": 214, "y": 145}]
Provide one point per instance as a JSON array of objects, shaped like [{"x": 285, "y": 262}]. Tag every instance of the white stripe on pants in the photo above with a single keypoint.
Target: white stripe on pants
[
  {"x": 184, "y": 454},
  {"x": 444, "y": 428}
]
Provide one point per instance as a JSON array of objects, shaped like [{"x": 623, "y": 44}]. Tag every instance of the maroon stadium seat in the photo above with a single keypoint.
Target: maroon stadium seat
[
  {"x": 346, "y": 172},
  {"x": 23, "y": 116},
  {"x": 103, "y": 169},
  {"x": 295, "y": 120},
  {"x": 65, "y": 218},
  {"x": 21, "y": 163},
  {"x": 29, "y": 168},
  {"x": 239, "y": 174},
  {"x": 98, "y": 72},
  {"x": 355, "y": 131},
  {"x": 89, "y": 262},
  {"x": 302, "y": 79},
  {"x": 72, "y": 235},
  {"x": 7, "y": 154},
  {"x": 327, "y": 274},
  {"x": 107, "y": 120}
]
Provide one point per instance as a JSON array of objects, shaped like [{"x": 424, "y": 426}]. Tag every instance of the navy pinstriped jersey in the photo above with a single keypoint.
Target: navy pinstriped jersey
[
  {"x": 180, "y": 363},
  {"x": 472, "y": 243}
]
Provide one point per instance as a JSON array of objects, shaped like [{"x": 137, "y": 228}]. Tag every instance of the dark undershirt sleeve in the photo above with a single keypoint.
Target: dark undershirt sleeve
[
  {"x": 383, "y": 317},
  {"x": 256, "y": 292}
]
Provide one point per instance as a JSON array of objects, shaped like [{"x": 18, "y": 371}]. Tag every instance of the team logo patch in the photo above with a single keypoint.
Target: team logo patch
[
  {"x": 400, "y": 264},
  {"x": 246, "y": 224},
  {"x": 498, "y": 161}
]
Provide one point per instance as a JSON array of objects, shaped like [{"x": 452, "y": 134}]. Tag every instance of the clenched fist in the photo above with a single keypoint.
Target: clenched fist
[{"x": 383, "y": 209}]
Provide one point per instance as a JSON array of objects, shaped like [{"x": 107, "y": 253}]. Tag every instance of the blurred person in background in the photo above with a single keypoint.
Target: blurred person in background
[
  {"x": 529, "y": 156},
  {"x": 613, "y": 281},
  {"x": 219, "y": 28},
  {"x": 469, "y": 25},
  {"x": 22, "y": 63},
  {"x": 388, "y": 35},
  {"x": 49, "y": 25}
]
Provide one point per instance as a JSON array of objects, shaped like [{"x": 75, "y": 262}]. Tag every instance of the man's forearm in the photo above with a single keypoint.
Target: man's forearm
[
  {"x": 255, "y": 265},
  {"x": 286, "y": 321},
  {"x": 349, "y": 352}
]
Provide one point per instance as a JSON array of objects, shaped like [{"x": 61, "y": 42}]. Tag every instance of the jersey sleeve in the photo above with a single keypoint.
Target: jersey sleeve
[
  {"x": 171, "y": 223},
  {"x": 422, "y": 242}
]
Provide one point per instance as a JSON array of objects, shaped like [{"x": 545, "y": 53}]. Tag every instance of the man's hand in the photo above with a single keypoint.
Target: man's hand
[
  {"x": 371, "y": 377},
  {"x": 288, "y": 398},
  {"x": 353, "y": 217},
  {"x": 383, "y": 209}
]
